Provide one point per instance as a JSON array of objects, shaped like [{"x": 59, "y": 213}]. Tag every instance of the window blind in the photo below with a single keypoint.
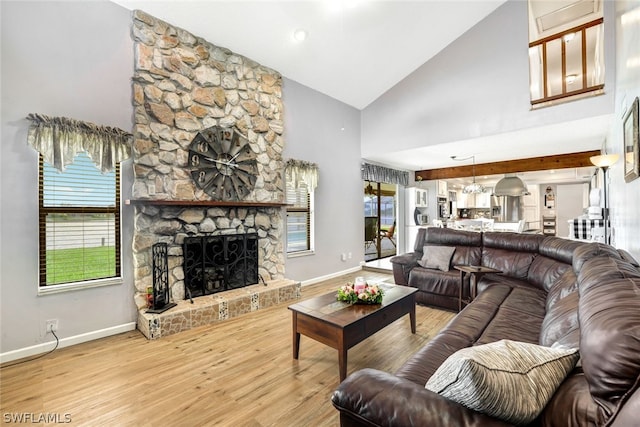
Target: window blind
[
  {"x": 79, "y": 222},
  {"x": 298, "y": 217}
]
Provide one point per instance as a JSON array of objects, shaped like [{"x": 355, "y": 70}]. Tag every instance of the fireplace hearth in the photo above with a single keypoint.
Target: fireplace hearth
[{"x": 219, "y": 263}]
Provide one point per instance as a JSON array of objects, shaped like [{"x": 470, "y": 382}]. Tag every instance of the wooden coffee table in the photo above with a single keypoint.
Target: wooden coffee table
[{"x": 341, "y": 325}]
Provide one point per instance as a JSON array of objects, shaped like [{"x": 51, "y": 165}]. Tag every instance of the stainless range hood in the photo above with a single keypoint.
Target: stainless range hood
[{"x": 510, "y": 185}]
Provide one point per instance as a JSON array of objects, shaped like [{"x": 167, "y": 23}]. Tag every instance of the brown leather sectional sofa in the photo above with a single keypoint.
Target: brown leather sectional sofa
[{"x": 552, "y": 292}]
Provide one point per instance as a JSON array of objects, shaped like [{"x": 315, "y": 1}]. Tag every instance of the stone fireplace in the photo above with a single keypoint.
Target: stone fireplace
[{"x": 182, "y": 85}]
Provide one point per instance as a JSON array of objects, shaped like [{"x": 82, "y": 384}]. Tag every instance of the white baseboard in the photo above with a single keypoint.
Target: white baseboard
[
  {"x": 65, "y": 342},
  {"x": 330, "y": 276}
]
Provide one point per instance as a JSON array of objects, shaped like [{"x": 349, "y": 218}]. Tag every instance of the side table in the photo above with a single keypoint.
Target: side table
[{"x": 475, "y": 274}]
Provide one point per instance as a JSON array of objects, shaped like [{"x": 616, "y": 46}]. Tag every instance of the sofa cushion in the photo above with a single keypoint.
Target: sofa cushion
[
  {"x": 560, "y": 324},
  {"x": 545, "y": 271},
  {"x": 451, "y": 237},
  {"x": 572, "y": 405},
  {"x": 524, "y": 304},
  {"x": 512, "y": 241},
  {"x": 559, "y": 248},
  {"x": 467, "y": 255},
  {"x": 509, "y": 380},
  {"x": 468, "y": 243},
  {"x": 437, "y": 257},
  {"x": 609, "y": 313},
  {"x": 435, "y": 281},
  {"x": 511, "y": 263},
  {"x": 592, "y": 250},
  {"x": 511, "y": 253},
  {"x": 461, "y": 332},
  {"x": 491, "y": 279}
]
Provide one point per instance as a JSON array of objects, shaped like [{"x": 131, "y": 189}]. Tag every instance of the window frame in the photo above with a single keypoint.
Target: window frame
[
  {"x": 309, "y": 210},
  {"x": 43, "y": 211}
]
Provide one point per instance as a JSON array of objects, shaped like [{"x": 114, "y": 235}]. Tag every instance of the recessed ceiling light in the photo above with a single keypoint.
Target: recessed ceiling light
[{"x": 300, "y": 35}]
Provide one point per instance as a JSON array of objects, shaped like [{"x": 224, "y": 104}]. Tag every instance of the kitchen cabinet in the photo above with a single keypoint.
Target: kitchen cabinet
[
  {"x": 468, "y": 201},
  {"x": 421, "y": 198},
  {"x": 442, "y": 189},
  {"x": 483, "y": 200},
  {"x": 462, "y": 200}
]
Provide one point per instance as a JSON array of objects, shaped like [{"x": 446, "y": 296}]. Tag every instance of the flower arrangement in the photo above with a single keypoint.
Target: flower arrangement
[{"x": 360, "y": 293}]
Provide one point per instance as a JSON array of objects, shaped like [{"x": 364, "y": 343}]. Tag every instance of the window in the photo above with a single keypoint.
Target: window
[
  {"x": 79, "y": 222},
  {"x": 299, "y": 217},
  {"x": 566, "y": 51}
]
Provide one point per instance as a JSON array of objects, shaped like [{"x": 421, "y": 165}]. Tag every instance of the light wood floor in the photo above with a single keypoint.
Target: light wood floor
[{"x": 239, "y": 372}]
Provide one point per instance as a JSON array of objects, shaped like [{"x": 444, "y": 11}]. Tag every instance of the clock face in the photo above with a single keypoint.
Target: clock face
[{"x": 222, "y": 163}]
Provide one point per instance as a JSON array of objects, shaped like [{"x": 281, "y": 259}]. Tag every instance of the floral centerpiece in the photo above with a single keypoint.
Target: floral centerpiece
[{"x": 360, "y": 293}]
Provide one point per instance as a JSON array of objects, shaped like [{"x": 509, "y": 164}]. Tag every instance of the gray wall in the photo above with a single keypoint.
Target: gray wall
[
  {"x": 477, "y": 86},
  {"x": 75, "y": 59},
  {"x": 314, "y": 132},
  {"x": 569, "y": 198},
  {"x": 72, "y": 59},
  {"x": 624, "y": 198}
]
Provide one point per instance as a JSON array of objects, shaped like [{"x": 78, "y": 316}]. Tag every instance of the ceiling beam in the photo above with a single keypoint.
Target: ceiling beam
[{"x": 560, "y": 161}]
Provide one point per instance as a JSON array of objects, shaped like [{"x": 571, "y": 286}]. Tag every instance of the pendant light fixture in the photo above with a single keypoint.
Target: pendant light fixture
[{"x": 474, "y": 187}]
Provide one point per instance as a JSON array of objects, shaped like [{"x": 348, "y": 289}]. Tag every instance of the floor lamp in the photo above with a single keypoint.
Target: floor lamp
[{"x": 604, "y": 161}]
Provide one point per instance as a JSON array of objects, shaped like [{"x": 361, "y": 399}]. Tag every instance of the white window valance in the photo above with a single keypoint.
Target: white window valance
[
  {"x": 60, "y": 139},
  {"x": 377, "y": 173},
  {"x": 302, "y": 171}
]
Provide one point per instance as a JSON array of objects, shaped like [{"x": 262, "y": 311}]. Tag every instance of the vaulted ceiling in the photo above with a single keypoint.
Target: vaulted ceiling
[{"x": 356, "y": 50}]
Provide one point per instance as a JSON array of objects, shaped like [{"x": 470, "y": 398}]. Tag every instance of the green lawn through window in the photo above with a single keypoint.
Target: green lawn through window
[{"x": 64, "y": 265}]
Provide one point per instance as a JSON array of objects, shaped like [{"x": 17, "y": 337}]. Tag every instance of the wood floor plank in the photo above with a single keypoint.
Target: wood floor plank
[{"x": 239, "y": 372}]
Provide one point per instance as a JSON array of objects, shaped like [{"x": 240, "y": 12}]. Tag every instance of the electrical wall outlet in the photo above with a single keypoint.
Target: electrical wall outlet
[
  {"x": 344, "y": 257},
  {"x": 52, "y": 325},
  {"x": 349, "y": 255}
]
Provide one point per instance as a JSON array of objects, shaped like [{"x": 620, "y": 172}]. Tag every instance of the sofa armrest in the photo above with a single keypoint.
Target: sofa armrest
[
  {"x": 374, "y": 398},
  {"x": 402, "y": 266},
  {"x": 410, "y": 259}
]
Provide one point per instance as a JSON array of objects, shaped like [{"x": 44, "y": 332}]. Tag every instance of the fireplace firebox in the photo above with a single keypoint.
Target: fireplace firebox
[{"x": 219, "y": 263}]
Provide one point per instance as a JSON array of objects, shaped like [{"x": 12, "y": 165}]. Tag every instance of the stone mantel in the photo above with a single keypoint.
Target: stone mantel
[{"x": 212, "y": 203}]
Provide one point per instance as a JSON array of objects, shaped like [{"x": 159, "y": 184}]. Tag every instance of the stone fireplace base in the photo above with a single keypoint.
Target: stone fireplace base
[{"x": 209, "y": 309}]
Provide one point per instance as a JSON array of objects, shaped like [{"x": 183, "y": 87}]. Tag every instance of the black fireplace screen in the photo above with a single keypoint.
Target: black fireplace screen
[{"x": 219, "y": 263}]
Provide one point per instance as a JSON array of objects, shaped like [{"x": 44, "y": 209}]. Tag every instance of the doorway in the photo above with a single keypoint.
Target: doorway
[{"x": 380, "y": 213}]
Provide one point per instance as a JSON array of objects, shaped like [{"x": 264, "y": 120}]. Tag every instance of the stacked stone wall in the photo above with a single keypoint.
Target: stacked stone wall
[{"x": 183, "y": 84}]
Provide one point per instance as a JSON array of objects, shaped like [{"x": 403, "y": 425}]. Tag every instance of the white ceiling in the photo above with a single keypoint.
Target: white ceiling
[
  {"x": 580, "y": 135},
  {"x": 358, "y": 49},
  {"x": 355, "y": 50}
]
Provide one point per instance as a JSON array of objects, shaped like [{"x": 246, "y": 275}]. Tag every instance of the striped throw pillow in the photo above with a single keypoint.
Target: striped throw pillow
[{"x": 509, "y": 380}]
